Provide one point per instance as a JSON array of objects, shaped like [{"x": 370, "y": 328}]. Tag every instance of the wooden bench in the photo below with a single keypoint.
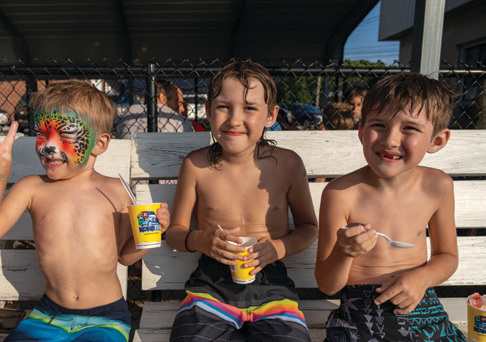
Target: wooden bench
[
  {"x": 20, "y": 277},
  {"x": 328, "y": 154}
]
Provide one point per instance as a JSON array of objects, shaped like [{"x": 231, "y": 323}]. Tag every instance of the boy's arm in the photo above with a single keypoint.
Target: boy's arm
[
  {"x": 305, "y": 221},
  {"x": 6, "y": 156},
  {"x": 17, "y": 200},
  {"x": 212, "y": 242},
  {"x": 128, "y": 253},
  {"x": 337, "y": 248},
  {"x": 182, "y": 208},
  {"x": 407, "y": 289}
]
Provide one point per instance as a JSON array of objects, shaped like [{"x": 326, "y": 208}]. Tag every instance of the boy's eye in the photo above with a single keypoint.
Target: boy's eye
[
  {"x": 68, "y": 136},
  {"x": 411, "y": 128},
  {"x": 40, "y": 134},
  {"x": 377, "y": 125}
]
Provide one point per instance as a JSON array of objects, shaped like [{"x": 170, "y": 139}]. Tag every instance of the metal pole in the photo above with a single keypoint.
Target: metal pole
[
  {"x": 151, "y": 99},
  {"x": 31, "y": 87},
  {"x": 427, "y": 37}
]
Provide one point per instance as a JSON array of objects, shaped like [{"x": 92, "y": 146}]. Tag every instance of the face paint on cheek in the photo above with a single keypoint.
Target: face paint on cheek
[{"x": 72, "y": 135}]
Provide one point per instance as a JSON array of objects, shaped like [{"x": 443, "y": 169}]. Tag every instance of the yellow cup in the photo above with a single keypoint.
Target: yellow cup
[
  {"x": 239, "y": 273},
  {"x": 145, "y": 226},
  {"x": 476, "y": 324}
]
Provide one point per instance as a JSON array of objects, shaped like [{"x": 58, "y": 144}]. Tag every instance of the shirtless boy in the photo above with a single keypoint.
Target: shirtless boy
[
  {"x": 244, "y": 184},
  {"x": 387, "y": 292},
  {"x": 80, "y": 220}
]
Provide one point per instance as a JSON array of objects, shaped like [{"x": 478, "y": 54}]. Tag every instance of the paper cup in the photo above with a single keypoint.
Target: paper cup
[
  {"x": 145, "y": 226},
  {"x": 239, "y": 273},
  {"x": 476, "y": 324}
]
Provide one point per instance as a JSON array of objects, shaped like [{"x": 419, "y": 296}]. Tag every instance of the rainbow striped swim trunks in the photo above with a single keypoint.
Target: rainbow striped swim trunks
[{"x": 215, "y": 307}]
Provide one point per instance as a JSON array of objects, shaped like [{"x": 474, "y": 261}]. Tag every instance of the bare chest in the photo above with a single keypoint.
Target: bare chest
[{"x": 250, "y": 201}]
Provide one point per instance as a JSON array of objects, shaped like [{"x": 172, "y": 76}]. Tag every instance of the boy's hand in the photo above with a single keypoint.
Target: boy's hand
[
  {"x": 356, "y": 239},
  {"x": 215, "y": 243},
  {"x": 263, "y": 253},
  {"x": 6, "y": 151},
  {"x": 405, "y": 290},
  {"x": 163, "y": 216}
]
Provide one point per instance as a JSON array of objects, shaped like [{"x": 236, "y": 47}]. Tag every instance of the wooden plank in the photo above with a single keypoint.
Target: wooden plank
[
  {"x": 325, "y": 153},
  {"x": 159, "y": 155},
  {"x": 21, "y": 279},
  {"x": 164, "y": 268},
  {"x": 116, "y": 159}
]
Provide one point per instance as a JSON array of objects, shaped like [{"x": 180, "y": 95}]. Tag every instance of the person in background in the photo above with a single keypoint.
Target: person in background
[
  {"x": 175, "y": 101},
  {"x": 338, "y": 115},
  {"x": 355, "y": 98},
  {"x": 168, "y": 117}
]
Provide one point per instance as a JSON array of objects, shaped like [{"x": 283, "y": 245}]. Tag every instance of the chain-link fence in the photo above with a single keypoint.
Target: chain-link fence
[{"x": 310, "y": 97}]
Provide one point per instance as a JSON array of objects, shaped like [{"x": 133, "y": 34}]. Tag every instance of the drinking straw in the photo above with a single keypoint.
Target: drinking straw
[{"x": 127, "y": 188}]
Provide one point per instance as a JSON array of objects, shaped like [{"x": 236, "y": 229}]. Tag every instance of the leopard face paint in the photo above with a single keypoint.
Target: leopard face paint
[{"x": 63, "y": 138}]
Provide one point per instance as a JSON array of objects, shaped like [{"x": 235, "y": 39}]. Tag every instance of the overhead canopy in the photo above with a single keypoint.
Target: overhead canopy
[{"x": 270, "y": 30}]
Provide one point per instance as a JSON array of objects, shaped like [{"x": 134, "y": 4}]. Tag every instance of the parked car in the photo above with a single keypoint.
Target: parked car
[{"x": 299, "y": 116}]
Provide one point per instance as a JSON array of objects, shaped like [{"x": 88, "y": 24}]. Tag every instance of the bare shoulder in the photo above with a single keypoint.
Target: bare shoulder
[
  {"x": 348, "y": 181},
  {"x": 113, "y": 189},
  {"x": 286, "y": 158},
  {"x": 197, "y": 158},
  {"x": 28, "y": 184},
  {"x": 435, "y": 180}
]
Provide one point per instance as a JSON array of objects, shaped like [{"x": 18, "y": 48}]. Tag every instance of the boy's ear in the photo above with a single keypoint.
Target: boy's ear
[
  {"x": 439, "y": 141},
  {"x": 162, "y": 99},
  {"x": 101, "y": 144},
  {"x": 272, "y": 117}
]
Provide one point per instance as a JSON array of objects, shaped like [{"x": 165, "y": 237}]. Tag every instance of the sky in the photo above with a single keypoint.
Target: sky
[{"x": 363, "y": 43}]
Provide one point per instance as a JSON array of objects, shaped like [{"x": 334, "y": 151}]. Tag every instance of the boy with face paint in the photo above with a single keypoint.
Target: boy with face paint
[{"x": 79, "y": 216}]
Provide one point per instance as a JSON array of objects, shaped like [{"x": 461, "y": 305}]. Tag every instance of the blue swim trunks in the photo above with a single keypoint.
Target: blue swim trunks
[{"x": 50, "y": 322}]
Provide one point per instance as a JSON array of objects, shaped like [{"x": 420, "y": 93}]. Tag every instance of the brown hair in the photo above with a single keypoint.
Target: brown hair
[
  {"x": 245, "y": 72},
  {"x": 339, "y": 115},
  {"x": 171, "y": 93},
  {"x": 415, "y": 91},
  {"x": 80, "y": 97}
]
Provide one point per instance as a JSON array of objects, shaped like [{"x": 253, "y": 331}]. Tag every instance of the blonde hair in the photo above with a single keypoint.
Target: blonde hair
[{"x": 80, "y": 97}]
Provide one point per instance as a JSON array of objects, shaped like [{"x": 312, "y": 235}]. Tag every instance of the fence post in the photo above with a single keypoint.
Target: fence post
[
  {"x": 31, "y": 87},
  {"x": 151, "y": 99}
]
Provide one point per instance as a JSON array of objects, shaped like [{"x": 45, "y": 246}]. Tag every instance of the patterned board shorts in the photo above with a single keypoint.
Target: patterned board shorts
[
  {"x": 50, "y": 322},
  {"x": 358, "y": 318}
]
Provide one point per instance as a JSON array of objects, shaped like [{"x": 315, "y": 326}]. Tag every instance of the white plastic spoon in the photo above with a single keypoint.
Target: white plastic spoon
[{"x": 391, "y": 242}]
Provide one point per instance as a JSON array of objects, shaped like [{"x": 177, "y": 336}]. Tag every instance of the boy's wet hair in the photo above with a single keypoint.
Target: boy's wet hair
[
  {"x": 415, "y": 91},
  {"x": 245, "y": 72},
  {"x": 80, "y": 97}
]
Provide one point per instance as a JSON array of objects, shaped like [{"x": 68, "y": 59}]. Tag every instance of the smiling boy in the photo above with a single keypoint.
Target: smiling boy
[
  {"x": 386, "y": 292},
  {"x": 244, "y": 184},
  {"x": 80, "y": 220}
]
